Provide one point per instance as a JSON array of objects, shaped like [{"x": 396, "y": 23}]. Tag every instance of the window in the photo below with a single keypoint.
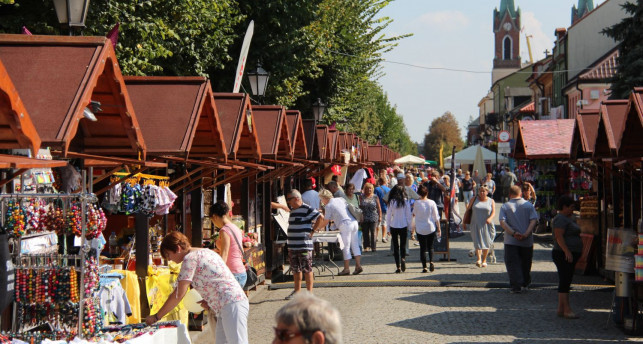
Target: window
[{"x": 506, "y": 48}]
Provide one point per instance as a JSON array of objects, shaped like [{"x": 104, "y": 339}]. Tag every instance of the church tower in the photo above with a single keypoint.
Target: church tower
[
  {"x": 584, "y": 7},
  {"x": 506, "y": 29}
]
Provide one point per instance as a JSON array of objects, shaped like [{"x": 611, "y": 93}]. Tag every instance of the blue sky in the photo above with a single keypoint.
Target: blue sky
[{"x": 455, "y": 34}]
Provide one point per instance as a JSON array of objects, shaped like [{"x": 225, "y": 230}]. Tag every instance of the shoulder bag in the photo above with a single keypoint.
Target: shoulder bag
[
  {"x": 467, "y": 214},
  {"x": 357, "y": 212},
  {"x": 251, "y": 273}
]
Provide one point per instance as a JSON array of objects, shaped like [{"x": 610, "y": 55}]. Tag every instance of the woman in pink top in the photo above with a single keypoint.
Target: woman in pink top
[
  {"x": 226, "y": 245},
  {"x": 206, "y": 272}
]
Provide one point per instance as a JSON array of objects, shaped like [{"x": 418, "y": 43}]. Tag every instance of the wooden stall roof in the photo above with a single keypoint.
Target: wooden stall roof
[
  {"x": 57, "y": 77},
  {"x": 272, "y": 130},
  {"x": 585, "y": 133},
  {"x": 16, "y": 128},
  {"x": 610, "y": 128},
  {"x": 240, "y": 136},
  {"x": 297, "y": 136},
  {"x": 177, "y": 115},
  {"x": 631, "y": 142},
  {"x": 365, "y": 146},
  {"x": 545, "y": 139},
  {"x": 20, "y": 162},
  {"x": 321, "y": 136},
  {"x": 310, "y": 134},
  {"x": 333, "y": 144}
]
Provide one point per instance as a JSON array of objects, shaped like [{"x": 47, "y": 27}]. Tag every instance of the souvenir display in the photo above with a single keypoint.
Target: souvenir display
[{"x": 130, "y": 197}]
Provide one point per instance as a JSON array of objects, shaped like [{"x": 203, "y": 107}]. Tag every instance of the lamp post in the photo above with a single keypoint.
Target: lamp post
[
  {"x": 318, "y": 110},
  {"x": 258, "y": 79},
  {"x": 72, "y": 13}
]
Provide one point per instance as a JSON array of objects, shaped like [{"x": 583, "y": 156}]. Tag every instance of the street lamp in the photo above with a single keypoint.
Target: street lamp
[
  {"x": 71, "y": 12},
  {"x": 318, "y": 110},
  {"x": 258, "y": 81}
]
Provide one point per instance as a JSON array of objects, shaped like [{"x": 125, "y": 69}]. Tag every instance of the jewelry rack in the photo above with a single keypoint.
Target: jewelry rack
[{"x": 85, "y": 199}]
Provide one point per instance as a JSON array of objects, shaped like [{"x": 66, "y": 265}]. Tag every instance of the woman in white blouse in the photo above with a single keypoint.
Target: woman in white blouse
[
  {"x": 336, "y": 210},
  {"x": 427, "y": 224},
  {"x": 399, "y": 219}
]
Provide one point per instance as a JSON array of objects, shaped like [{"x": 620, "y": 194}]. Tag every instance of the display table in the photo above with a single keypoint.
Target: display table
[
  {"x": 176, "y": 335},
  {"x": 328, "y": 237}
]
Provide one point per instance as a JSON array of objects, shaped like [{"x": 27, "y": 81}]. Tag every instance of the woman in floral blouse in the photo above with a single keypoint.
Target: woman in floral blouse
[{"x": 206, "y": 272}]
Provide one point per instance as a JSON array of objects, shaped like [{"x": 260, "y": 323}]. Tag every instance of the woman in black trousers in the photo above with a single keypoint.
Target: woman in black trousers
[
  {"x": 399, "y": 219},
  {"x": 568, "y": 247}
]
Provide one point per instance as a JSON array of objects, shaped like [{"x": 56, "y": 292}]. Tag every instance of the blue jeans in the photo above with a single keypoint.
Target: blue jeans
[
  {"x": 241, "y": 278},
  {"x": 468, "y": 195}
]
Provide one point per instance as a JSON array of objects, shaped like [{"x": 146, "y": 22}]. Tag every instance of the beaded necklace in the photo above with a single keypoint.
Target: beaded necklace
[{"x": 15, "y": 221}]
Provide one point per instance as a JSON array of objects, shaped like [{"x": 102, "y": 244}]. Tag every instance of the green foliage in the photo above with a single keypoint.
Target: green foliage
[
  {"x": 328, "y": 49},
  {"x": 630, "y": 62},
  {"x": 444, "y": 131}
]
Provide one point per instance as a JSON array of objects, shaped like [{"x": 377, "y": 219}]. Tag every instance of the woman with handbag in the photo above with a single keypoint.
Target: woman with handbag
[
  {"x": 231, "y": 253},
  {"x": 482, "y": 209},
  {"x": 370, "y": 206},
  {"x": 336, "y": 210}
]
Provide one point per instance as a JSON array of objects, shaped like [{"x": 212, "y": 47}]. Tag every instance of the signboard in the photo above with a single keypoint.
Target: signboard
[
  {"x": 241, "y": 65},
  {"x": 621, "y": 248},
  {"x": 504, "y": 147},
  {"x": 503, "y": 136}
]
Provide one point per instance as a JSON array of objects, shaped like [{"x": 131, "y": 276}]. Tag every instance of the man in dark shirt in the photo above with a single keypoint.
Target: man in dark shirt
[
  {"x": 436, "y": 191},
  {"x": 300, "y": 240}
]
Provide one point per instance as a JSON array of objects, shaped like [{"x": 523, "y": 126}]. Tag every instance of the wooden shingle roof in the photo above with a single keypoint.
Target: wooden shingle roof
[
  {"x": 239, "y": 135},
  {"x": 297, "y": 136}
]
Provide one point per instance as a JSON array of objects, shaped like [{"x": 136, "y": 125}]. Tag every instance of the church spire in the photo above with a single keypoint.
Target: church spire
[
  {"x": 507, "y": 6},
  {"x": 584, "y": 7}
]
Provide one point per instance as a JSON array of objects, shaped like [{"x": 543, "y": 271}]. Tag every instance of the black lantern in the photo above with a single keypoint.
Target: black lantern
[
  {"x": 318, "y": 110},
  {"x": 258, "y": 81},
  {"x": 71, "y": 12}
]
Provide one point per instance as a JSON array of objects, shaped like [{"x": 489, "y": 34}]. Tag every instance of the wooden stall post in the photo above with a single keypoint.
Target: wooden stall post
[
  {"x": 197, "y": 217},
  {"x": 142, "y": 258}
]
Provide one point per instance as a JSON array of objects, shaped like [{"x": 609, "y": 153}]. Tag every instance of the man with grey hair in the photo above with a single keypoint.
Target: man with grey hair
[
  {"x": 334, "y": 188},
  {"x": 300, "y": 240},
  {"x": 308, "y": 319}
]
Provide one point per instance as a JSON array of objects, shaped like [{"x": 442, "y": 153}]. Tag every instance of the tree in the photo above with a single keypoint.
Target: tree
[
  {"x": 629, "y": 71},
  {"x": 444, "y": 131},
  {"x": 170, "y": 37}
]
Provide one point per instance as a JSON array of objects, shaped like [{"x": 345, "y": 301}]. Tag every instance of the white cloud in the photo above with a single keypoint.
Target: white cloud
[
  {"x": 540, "y": 40},
  {"x": 444, "y": 20}
]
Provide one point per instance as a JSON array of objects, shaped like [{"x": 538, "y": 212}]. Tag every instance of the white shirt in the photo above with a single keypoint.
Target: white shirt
[
  {"x": 311, "y": 197},
  {"x": 336, "y": 210},
  {"x": 399, "y": 217},
  {"x": 358, "y": 179},
  {"x": 426, "y": 216}
]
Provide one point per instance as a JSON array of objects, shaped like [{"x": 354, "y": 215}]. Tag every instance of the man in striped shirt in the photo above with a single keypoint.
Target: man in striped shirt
[{"x": 300, "y": 240}]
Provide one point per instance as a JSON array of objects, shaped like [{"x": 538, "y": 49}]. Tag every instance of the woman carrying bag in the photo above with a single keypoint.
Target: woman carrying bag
[
  {"x": 231, "y": 253},
  {"x": 482, "y": 209}
]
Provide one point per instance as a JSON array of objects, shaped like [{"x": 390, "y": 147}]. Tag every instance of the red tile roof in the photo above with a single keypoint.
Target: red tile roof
[
  {"x": 528, "y": 108},
  {"x": 545, "y": 139},
  {"x": 610, "y": 127},
  {"x": 16, "y": 128},
  {"x": 57, "y": 77},
  {"x": 602, "y": 69}
]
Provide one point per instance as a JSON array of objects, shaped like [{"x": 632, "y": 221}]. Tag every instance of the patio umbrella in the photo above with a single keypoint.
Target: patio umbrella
[
  {"x": 410, "y": 160},
  {"x": 478, "y": 163}
]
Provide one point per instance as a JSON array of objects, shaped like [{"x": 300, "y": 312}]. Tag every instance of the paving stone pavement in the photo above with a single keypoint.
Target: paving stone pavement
[{"x": 480, "y": 314}]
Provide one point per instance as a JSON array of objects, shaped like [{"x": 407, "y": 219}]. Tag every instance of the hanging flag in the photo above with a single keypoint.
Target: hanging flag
[
  {"x": 441, "y": 160},
  {"x": 113, "y": 35},
  {"x": 25, "y": 31}
]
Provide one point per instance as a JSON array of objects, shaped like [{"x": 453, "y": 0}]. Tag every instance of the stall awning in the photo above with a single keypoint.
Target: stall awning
[
  {"x": 297, "y": 136},
  {"x": 585, "y": 133},
  {"x": 545, "y": 139},
  {"x": 237, "y": 125},
  {"x": 631, "y": 142},
  {"x": 58, "y": 77},
  {"x": 177, "y": 116},
  {"x": 610, "y": 128},
  {"x": 23, "y": 162},
  {"x": 272, "y": 131},
  {"x": 16, "y": 128}
]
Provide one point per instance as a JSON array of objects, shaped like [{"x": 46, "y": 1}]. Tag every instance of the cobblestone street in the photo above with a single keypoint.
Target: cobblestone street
[{"x": 460, "y": 303}]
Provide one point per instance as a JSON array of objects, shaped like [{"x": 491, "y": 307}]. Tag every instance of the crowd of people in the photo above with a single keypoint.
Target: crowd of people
[{"x": 392, "y": 205}]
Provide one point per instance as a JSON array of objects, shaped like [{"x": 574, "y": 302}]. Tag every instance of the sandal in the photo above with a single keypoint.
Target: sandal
[
  {"x": 358, "y": 271},
  {"x": 344, "y": 273},
  {"x": 484, "y": 265},
  {"x": 478, "y": 264}
]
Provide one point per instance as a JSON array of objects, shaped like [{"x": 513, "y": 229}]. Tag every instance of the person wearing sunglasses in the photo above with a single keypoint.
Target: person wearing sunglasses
[{"x": 308, "y": 319}]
